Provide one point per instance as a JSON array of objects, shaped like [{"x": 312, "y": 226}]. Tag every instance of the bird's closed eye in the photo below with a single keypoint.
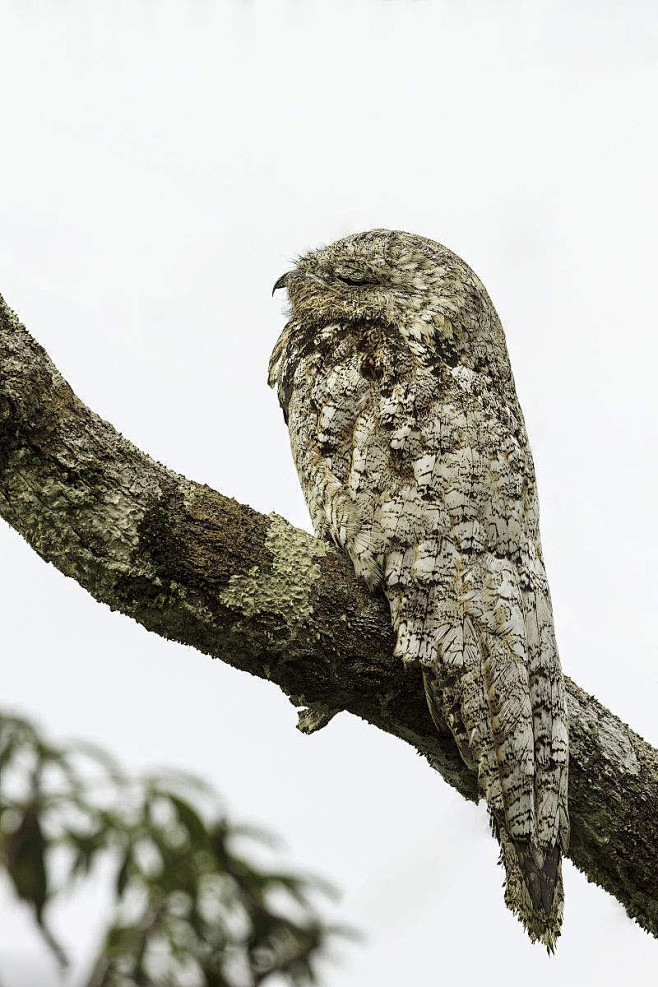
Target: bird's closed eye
[{"x": 354, "y": 281}]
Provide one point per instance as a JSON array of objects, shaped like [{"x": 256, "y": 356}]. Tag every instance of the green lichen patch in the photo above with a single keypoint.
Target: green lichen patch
[{"x": 286, "y": 588}]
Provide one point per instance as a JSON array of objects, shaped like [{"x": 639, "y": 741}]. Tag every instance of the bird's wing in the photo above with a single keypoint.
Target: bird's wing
[
  {"x": 328, "y": 395},
  {"x": 469, "y": 598}
]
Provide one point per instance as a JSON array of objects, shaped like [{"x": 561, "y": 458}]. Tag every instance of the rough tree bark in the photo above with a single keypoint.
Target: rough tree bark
[{"x": 199, "y": 568}]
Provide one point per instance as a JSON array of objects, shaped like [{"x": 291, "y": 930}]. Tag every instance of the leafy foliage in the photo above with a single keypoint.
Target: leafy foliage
[{"x": 189, "y": 908}]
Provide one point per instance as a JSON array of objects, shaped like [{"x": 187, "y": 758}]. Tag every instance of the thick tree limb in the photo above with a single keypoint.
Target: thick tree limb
[{"x": 199, "y": 568}]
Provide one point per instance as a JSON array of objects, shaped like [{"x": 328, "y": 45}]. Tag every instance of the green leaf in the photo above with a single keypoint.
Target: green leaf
[
  {"x": 192, "y": 822},
  {"x": 25, "y": 859},
  {"x": 124, "y": 872}
]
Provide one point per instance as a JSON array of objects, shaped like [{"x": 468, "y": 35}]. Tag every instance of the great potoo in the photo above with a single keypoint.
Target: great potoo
[{"x": 412, "y": 452}]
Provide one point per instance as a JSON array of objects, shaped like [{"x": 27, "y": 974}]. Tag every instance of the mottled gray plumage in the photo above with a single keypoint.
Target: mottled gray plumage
[{"x": 410, "y": 444}]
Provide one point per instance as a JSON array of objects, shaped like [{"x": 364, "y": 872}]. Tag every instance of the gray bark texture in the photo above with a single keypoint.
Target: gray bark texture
[{"x": 197, "y": 567}]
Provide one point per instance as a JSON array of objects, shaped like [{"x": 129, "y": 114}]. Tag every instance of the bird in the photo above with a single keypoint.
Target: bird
[{"x": 394, "y": 379}]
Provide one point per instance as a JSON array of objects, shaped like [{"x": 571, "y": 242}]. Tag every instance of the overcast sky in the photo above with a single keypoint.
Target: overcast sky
[{"x": 161, "y": 165}]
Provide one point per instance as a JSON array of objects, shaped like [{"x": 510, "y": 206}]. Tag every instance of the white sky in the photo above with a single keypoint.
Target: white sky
[{"x": 161, "y": 164}]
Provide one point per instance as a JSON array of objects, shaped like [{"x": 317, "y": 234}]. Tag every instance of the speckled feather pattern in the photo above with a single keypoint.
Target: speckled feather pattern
[{"x": 412, "y": 452}]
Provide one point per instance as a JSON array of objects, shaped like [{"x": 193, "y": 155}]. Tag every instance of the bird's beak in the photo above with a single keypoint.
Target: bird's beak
[{"x": 282, "y": 282}]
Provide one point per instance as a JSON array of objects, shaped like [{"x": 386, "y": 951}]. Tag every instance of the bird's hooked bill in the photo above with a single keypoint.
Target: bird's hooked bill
[{"x": 282, "y": 282}]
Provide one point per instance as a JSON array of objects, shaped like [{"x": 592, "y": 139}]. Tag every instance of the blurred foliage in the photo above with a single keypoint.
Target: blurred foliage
[{"x": 188, "y": 908}]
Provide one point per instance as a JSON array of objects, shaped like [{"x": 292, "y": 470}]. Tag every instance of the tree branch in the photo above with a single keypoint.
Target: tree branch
[{"x": 199, "y": 568}]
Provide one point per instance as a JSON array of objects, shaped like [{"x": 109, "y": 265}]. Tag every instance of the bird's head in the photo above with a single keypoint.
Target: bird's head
[
  {"x": 380, "y": 276},
  {"x": 415, "y": 286}
]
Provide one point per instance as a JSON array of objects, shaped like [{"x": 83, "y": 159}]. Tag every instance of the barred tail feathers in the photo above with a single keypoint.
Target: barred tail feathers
[
  {"x": 473, "y": 652},
  {"x": 533, "y": 876}
]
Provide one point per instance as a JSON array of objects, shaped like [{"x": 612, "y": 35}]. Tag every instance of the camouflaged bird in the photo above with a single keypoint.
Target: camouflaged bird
[{"x": 412, "y": 452}]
